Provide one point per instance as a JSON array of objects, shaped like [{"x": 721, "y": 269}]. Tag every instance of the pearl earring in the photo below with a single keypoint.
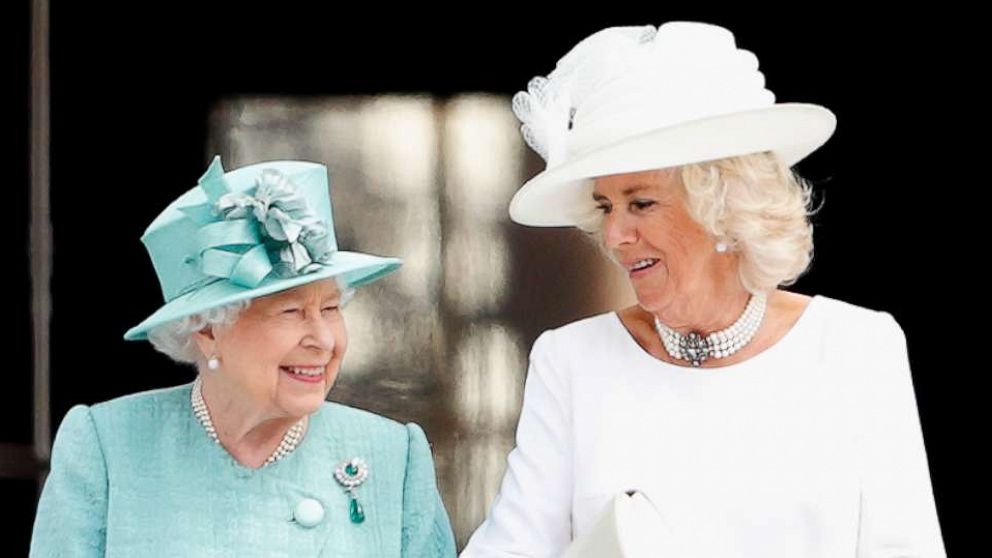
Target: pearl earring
[
  {"x": 722, "y": 246},
  {"x": 213, "y": 363}
]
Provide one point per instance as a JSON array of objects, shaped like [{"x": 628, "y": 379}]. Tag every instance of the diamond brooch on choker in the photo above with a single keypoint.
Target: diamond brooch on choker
[{"x": 697, "y": 348}]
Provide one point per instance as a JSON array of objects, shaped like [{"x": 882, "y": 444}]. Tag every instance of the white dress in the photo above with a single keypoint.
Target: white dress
[{"x": 811, "y": 448}]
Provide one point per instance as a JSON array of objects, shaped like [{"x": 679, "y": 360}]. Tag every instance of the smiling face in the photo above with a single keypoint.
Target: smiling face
[
  {"x": 284, "y": 351},
  {"x": 668, "y": 256}
]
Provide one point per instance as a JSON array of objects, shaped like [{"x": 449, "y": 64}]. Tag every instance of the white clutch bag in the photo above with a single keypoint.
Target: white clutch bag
[{"x": 631, "y": 527}]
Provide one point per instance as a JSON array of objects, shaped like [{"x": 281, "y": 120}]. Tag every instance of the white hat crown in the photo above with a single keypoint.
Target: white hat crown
[{"x": 623, "y": 81}]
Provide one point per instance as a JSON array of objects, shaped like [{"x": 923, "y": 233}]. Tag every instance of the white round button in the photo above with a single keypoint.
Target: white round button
[{"x": 309, "y": 513}]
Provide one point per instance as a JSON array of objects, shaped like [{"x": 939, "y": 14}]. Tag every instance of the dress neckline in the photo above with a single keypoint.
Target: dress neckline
[
  {"x": 790, "y": 337},
  {"x": 244, "y": 471}
]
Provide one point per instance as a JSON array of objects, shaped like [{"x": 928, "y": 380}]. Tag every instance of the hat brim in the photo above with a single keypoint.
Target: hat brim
[
  {"x": 560, "y": 196},
  {"x": 356, "y": 268}
]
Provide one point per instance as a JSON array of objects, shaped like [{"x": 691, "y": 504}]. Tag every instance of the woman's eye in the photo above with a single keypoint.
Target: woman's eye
[
  {"x": 330, "y": 308},
  {"x": 641, "y": 204},
  {"x": 603, "y": 208},
  {"x": 291, "y": 310}
]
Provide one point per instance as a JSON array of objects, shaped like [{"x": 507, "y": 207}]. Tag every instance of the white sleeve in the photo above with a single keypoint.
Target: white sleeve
[
  {"x": 898, "y": 512},
  {"x": 531, "y": 515}
]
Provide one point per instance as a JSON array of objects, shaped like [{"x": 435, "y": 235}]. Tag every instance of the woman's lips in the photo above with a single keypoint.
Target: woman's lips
[
  {"x": 641, "y": 272},
  {"x": 309, "y": 379}
]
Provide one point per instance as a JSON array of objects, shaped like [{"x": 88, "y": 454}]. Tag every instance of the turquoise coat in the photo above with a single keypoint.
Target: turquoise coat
[{"x": 139, "y": 477}]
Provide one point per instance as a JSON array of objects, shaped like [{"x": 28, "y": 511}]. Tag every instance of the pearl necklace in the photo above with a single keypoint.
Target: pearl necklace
[
  {"x": 287, "y": 445},
  {"x": 696, "y": 348}
]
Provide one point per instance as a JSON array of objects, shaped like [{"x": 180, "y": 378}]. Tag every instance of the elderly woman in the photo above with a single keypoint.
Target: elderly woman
[
  {"x": 249, "y": 459},
  {"x": 759, "y": 422}
]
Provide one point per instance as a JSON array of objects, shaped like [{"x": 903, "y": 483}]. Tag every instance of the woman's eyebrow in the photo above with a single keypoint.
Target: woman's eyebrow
[
  {"x": 635, "y": 188},
  {"x": 626, "y": 192}
]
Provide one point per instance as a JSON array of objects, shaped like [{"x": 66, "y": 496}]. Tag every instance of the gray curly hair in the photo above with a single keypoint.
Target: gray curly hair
[{"x": 175, "y": 339}]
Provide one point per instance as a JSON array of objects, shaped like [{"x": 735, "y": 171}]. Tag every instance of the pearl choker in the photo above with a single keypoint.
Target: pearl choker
[
  {"x": 287, "y": 445},
  {"x": 696, "y": 348}
]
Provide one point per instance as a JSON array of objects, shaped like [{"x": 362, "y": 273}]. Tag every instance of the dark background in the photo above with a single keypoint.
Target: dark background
[{"x": 131, "y": 89}]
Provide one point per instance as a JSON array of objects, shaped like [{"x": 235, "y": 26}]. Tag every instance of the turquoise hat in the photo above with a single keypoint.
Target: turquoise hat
[{"x": 250, "y": 232}]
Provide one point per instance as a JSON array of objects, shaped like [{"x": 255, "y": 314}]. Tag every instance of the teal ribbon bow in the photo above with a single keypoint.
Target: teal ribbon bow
[{"x": 245, "y": 236}]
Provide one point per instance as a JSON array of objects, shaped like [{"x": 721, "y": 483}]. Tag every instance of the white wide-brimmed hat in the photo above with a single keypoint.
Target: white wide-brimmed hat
[{"x": 630, "y": 99}]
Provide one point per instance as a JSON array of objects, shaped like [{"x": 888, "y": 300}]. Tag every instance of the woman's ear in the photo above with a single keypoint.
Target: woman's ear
[{"x": 206, "y": 341}]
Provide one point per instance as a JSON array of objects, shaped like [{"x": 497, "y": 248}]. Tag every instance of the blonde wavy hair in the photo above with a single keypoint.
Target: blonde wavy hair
[{"x": 762, "y": 207}]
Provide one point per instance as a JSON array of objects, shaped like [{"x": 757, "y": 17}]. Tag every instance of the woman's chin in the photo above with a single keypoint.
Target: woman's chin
[
  {"x": 650, "y": 289},
  {"x": 649, "y": 298},
  {"x": 299, "y": 406},
  {"x": 304, "y": 398}
]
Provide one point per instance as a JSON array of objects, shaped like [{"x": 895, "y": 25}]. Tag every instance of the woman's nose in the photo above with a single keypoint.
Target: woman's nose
[
  {"x": 320, "y": 334},
  {"x": 617, "y": 229}
]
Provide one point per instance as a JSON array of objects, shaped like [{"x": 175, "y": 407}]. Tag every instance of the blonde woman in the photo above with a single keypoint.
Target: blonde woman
[{"x": 760, "y": 422}]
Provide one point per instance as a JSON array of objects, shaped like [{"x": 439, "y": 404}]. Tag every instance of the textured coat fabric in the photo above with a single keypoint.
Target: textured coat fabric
[
  {"x": 811, "y": 448},
  {"x": 139, "y": 477}
]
